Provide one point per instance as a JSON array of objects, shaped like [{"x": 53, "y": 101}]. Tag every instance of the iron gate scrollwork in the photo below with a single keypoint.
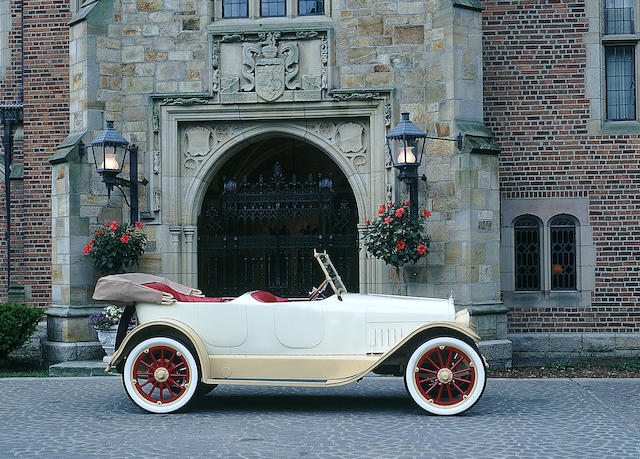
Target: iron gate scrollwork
[{"x": 261, "y": 234}]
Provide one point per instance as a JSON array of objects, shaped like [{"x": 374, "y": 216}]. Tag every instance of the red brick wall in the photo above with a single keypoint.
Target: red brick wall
[
  {"x": 535, "y": 104},
  {"x": 46, "y": 112}
]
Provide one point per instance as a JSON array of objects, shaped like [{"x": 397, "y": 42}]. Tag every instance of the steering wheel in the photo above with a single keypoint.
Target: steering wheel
[{"x": 317, "y": 291}]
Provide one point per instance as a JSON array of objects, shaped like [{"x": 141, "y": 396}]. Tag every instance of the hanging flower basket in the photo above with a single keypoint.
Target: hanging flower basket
[
  {"x": 396, "y": 238},
  {"x": 116, "y": 246}
]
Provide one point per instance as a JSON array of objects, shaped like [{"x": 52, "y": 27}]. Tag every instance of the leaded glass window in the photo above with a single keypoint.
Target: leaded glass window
[
  {"x": 270, "y": 8},
  {"x": 527, "y": 252},
  {"x": 235, "y": 8},
  {"x": 562, "y": 234},
  {"x": 310, "y": 7},
  {"x": 621, "y": 82},
  {"x": 618, "y": 17}
]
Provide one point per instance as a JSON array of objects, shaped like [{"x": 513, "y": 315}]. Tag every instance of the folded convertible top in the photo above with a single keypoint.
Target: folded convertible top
[{"x": 131, "y": 288}]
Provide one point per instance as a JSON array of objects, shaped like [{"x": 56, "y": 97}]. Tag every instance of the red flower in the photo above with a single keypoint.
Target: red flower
[
  {"x": 139, "y": 225},
  {"x": 100, "y": 231},
  {"x": 114, "y": 226},
  {"x": 106, "y": 225},
  {"x": 426, "y": 213},
  {"x": 368, "y": 222},
  {"x": 407, "y": 203},
  {"x": 400, "y": 245},
  {"x": 124, "y": 238},
  {"x": 399, "y": 212},
  {"x": 87, "y": 249},
  {"x": 422, "y": 249},
  {"x": 387, "y": 220},
  {"x": 381, "y": 209}
]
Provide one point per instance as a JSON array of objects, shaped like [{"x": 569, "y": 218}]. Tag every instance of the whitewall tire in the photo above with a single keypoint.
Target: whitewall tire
[
  {"x": 445, "y": 376},
  {"x": 160, "y": 375}
]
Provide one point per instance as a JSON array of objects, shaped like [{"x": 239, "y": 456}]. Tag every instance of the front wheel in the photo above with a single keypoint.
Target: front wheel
[
  {"x": 160, "y": 375},
  {"x": 445, "y": 376}
]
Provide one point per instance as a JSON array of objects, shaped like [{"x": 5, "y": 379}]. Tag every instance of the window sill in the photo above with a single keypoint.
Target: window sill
[
  {"x": 543, "y": 299},
  {"x": 621, "y": 127},
  {"x": 621, "y": 38},
  {"x": 239, "y": 25}
]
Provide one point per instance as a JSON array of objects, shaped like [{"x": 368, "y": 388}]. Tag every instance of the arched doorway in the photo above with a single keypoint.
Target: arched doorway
[{"x": 265, "y": 211}]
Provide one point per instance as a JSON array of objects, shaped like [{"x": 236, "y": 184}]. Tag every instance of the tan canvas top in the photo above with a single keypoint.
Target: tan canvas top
[{"x": 129, "y": 288}]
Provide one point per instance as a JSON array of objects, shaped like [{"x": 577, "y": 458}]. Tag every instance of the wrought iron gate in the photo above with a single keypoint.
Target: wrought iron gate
[{"x": 261, "y": 235}]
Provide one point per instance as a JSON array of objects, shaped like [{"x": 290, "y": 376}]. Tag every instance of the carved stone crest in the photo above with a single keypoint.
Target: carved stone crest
[
  {"x": 269, "y": 68},
  {"x": 198, "y": 141},
  {"x": 349, "y": 137}
]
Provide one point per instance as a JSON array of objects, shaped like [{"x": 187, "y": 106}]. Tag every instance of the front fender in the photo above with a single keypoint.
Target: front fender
[{"x": 181, "y": 329}]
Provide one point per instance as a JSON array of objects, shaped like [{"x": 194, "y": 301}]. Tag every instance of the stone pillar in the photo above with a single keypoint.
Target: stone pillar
[
  {"x": 174, "y": 252},
  {"x": 68, "y": 335},
  {"x": 189, "y": 257},
  {"x": 462, "y": 189}
]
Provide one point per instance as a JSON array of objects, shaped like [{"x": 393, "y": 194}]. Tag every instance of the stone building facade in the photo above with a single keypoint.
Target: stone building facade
[{"x": 213, "y": 89}]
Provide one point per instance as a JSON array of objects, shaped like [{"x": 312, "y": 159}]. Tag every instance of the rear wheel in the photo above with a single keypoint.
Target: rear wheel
[
  {"x": 160, "y": 375},
  {"x": 445, "y": 376}
]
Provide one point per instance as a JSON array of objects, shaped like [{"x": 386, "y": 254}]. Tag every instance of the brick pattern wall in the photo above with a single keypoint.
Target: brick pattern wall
[
  {"x": 535, "y": 104},
  {"x": 46, "y": 111}
]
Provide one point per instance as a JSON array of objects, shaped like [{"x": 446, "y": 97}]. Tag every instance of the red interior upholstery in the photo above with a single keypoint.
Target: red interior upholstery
[
  {"x": 266, "y": 297},
  {"x": 179, "y": 296}
]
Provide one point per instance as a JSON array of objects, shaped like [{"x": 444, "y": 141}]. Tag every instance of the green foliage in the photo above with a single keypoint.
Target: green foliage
[
  {"x": 560, "y": 365},
  {"x": 396, "y": 238},
  {"x": 17, "y": 323},
  {"x": 115, "y": 247},
  {"x": 627, "y": 365}
]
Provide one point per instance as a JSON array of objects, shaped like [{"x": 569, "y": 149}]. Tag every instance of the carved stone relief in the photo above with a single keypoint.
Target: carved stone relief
[
  {"x": 351, "y": 138},
  {"x": 255, "y": 67}
]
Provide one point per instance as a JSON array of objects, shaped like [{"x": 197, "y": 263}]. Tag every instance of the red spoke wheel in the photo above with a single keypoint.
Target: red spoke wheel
[
  {"x": 160, "y": 375},
  {"x": 445, "y": 376}
]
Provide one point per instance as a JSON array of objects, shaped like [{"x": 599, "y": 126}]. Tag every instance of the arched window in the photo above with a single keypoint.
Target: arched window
[
  {"x": 562, "y": 238},
  {"x": 527, "y": 252}
]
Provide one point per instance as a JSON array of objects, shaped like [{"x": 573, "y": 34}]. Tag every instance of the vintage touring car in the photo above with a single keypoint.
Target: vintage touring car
[{"x": 186, "y": 344}]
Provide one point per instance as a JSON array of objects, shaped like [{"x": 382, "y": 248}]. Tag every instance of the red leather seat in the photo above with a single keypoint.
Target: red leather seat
[
  {"x": 266, "y": 297},
  {"x": 179, "y": 296}
]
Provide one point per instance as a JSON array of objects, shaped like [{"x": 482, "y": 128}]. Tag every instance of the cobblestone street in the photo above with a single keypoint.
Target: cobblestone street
[{"x": 80, "y": 417}]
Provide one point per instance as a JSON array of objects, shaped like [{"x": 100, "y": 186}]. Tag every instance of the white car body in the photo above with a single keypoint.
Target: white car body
[{"x": 259, "y": 339}]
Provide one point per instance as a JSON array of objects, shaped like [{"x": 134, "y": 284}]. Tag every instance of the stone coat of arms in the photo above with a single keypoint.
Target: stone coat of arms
[{"x": 269, "y": 68}]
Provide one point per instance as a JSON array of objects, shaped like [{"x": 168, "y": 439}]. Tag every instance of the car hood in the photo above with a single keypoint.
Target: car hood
[{"x": 396, "y": 309}]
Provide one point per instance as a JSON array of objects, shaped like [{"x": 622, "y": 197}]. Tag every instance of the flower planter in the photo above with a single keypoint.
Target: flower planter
[{"x": 107, "y": 338}]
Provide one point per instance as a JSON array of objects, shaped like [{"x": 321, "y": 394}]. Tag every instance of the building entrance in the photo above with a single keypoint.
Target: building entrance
[{"x": 265, "y": 211}]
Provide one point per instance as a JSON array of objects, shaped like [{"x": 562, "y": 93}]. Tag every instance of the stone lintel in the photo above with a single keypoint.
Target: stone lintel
[
  {"x": 474, "y": 5},
  {"x": 72, "y": 311}
]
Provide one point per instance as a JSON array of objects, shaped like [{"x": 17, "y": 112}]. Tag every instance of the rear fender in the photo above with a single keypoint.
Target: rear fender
[{"x": 166, "y": 327}]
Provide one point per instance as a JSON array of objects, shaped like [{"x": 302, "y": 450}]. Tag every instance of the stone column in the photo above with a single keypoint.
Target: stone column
[
  {"x": 189, "y": 257},
  {"x": 462, "y": 185},
  {"x": 175, "y": 232}
]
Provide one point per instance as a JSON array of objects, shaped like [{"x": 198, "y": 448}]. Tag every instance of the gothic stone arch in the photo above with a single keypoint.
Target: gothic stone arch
[{"x": 195, "y": 140}]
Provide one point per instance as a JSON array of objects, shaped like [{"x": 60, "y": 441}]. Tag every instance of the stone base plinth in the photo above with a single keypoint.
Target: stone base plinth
[
  {"x": 498, "y": 353},
  {"x": 56, "y": 352}
]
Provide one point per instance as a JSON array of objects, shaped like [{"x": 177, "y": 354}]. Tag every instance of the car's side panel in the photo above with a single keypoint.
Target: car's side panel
[
  {"x": 243, "y": 369},
  {"x": 309, "y": 370},
  {"x": 299, "y": 325}
]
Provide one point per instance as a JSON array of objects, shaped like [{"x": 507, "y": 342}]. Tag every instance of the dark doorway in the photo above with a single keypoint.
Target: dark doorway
[{"x": 265, "y": 211}]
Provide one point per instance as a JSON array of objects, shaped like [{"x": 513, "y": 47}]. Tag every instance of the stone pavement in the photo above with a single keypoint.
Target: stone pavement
[{"x": 92, "y": 417}]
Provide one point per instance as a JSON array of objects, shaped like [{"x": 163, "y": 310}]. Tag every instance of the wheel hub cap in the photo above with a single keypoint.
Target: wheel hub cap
[
  {"x": 445, "y": 376},
  {"x": 161, "y": 374}
]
